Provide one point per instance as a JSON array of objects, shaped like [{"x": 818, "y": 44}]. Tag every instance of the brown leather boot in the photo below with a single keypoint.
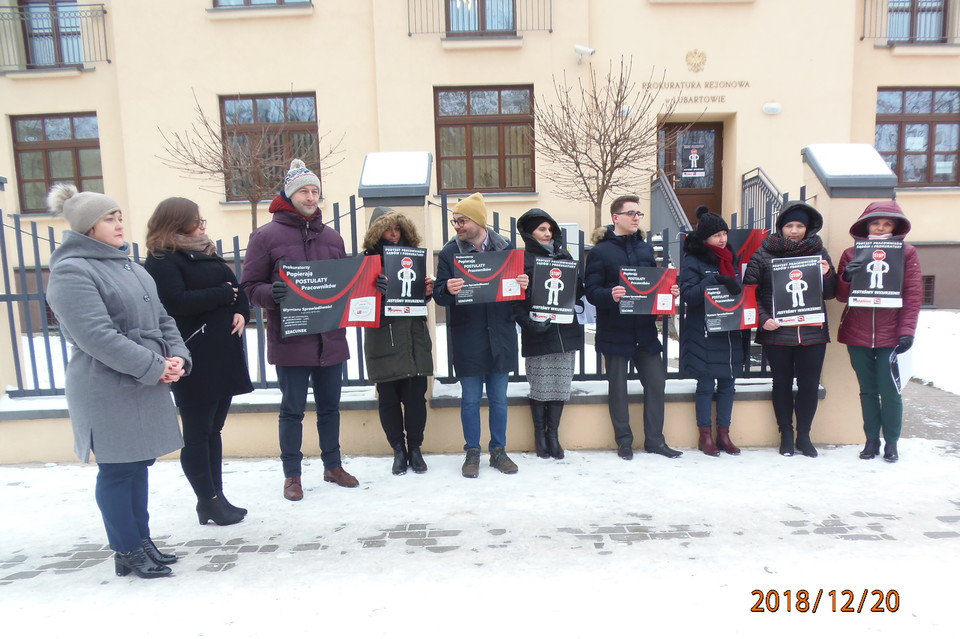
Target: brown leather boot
[
  {"x": 724, "y": 443},
  {"x": 707, "y": 444},
  {"x": 340, "y": 477},
  {"x": 292, "y": 489}
]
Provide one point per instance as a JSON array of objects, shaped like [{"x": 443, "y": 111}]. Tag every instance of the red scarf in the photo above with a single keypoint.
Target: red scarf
[{"x": 725, "y": 258}]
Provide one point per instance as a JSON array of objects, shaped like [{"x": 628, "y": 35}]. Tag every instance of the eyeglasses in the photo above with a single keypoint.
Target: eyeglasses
[
  {"x": 201, "y": 222},
  {"x": 457, "y": 222},
  {"x": 637, "y": 214}
]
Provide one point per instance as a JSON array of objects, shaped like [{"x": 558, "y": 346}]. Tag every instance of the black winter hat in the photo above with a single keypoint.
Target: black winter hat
[
  {"x": 532, "y": 219},
  {"x": 708, "y": 224}
]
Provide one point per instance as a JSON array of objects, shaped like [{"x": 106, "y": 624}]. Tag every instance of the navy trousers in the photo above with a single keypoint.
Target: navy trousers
[
  {"x": 122, "y": 497},
  {"x": 326, "y": 382}
]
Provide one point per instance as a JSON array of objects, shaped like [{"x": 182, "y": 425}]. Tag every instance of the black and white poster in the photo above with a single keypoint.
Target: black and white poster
[
  {"x": 880, "y": 282},
  {"x": 726, "y": 312},
  {"x": 694, "y": 158},
  {"x": 648, "y": 290},
  {"x": 490, "y": 276},
  {"x": 553, "y": 290},
  {"x": 798, "y": 290},
  {"x": 406, "y": 271},
  {"x": 330, "y": 294}
]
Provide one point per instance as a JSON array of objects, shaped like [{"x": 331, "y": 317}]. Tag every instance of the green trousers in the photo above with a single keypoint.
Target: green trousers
[{"x": 880, "y": 402}]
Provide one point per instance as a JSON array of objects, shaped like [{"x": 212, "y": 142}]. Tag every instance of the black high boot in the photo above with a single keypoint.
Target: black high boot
[
  {"x": 804, "y": 445},
  {"x": 786, "y": 441},
  {"x": 554, "y": 412},
  {"x": 417, "y": 464},
  {"x": 215, "y": 509},
  {"x": 140, "y": 563},
  {"x": 539, "y": 411},
  {"x": 399, "y": 459},
  {"x": 871, "y": 449},
  {"x": 890, "y": 453}
]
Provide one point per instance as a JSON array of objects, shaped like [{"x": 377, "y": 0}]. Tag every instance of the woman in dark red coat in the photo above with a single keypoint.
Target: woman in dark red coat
[{"x": 872, "y": 334}]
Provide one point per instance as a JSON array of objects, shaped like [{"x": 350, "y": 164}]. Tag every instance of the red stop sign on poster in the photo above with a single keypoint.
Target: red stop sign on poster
[
  {"x": 406, "y": 262},
  {"x": 879, "y": 254},
  {"x": 795, "y": 275},
  {"x": 555, "y": 273}
]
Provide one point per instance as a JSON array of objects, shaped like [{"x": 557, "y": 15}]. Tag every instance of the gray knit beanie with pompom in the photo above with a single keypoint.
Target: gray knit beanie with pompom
[{"x": 82, "y": 209}]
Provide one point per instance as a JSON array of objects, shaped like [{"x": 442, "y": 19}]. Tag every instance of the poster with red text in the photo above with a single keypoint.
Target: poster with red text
[
  {"x": 726, "y": 312},
  {"x": 648, "y": 290},
  {"x": 490, "y": 276},
  {"x": 330, "y": 294}
]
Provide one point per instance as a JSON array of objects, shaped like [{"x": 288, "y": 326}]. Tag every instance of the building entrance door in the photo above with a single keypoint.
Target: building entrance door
[{"x": 693, "y": 160}]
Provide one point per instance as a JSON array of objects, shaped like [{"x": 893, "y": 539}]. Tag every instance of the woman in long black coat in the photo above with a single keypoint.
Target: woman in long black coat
[
  {"x": 202, "y": 294},
  {"x": 713, "y": 359},
  {"x": 550, "y": 349}
]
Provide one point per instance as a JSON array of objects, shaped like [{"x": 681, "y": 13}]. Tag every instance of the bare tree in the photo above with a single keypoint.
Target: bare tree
[
  {"x": 601, "y": 135},
  {"x": 250, "y": 166}
]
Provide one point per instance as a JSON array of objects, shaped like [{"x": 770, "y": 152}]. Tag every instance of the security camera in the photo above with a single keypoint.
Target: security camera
[{"x": 583, "y": 49}]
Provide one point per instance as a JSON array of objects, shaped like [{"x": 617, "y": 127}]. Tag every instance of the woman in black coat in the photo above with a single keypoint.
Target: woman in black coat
[
  {"x": 793, "y": 352},
  {"x": 202, "y": 294},
  {"x": 713, "y": 359},
  {"x": 550, "y": 349}
]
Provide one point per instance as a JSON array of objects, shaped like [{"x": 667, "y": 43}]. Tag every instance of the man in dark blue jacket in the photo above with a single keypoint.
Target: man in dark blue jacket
[
  {"x": 483, "y": 337},
  {"x": 625, "y": 338}
]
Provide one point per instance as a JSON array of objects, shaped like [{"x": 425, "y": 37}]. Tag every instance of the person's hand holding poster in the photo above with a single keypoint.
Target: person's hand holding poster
[
  {"x": 798, "y": 290},
  {"x": 553, "y": 290},
  {"x": 406, "y": 271},
  {"x": 726, "y": 312},
  {"x": 490, "y": 276},
  {"x": 648, "y": 290},
  {"x": 878, "y": 279},
  {"x": 330, "y": 294}
]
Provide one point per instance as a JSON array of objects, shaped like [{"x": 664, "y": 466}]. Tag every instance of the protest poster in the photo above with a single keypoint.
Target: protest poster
[
  {"x": 744, "y": 243},
  {"x": 553, "y": 290},
  {"x": 329, "y": 294},
  {"x": 648, "y": 290},
  {"x": 726, "y": 312},
  {"x": 797, "y": 290},
  {"x": 880, "y": 282},
  {"x": 406, "y": 271},
  {"x": 490, "y": 276}
]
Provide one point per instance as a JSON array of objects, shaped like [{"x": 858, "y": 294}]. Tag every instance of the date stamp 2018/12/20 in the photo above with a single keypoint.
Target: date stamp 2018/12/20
[{"x": 826, "y": 600}]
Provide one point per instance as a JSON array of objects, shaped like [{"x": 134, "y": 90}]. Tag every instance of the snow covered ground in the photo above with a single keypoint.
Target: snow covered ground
[{"x": 590, "y": 546}]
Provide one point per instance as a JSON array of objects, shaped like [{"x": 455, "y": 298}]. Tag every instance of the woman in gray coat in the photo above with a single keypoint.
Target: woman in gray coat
[{"x": 125, "y": 352}]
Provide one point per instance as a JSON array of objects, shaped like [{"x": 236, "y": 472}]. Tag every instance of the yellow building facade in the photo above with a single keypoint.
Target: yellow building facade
[{"x": 89, "y": 92}]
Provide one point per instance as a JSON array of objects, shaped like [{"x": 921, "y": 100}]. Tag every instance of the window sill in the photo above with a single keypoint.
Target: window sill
[
  {"x": 460, "y": 43},
  {"x": 45, "y": 74},
  {"x": 928, "y": 190},
  {"x": 244, "y": 205},
  {"x": 906, "y": 49},
  {"x": 260, "y": 11},
  {"x": 514, "y": 196},
  {"x": 701, "y": 1}
]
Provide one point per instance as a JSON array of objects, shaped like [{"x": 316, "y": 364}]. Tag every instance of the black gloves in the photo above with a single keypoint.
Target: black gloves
[
  {"x": 730, "y": 283},
  {"x": 850, "y": 270},
  {"x": 279, "y": 291},
  {"x": 381, "y": 284},
  {"x": 906, "y": 341}
]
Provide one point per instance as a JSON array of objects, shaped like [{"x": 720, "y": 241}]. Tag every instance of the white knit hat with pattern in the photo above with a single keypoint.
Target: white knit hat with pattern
[{"x": 298, "y": 177}]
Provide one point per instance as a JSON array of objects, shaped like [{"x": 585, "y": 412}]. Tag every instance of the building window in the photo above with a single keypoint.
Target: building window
[
  {"x": 51, "y": 29},
  {"x": 484, "y": 139},
  {"x": 918, "y": 134},
  {"x": 481, "y": 17},
  {"x": 275, "y": 127},
  {"x": 916, "y": 21},
  {"x": 929, "y": 283},
  {"x": 55, "y": 148}
]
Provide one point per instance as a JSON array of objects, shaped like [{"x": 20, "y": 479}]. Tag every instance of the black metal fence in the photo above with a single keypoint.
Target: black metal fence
[
  {"x": 911, "y": 21},
  {"x": 479, "y": 18},
  {"x": 48, "y": 36}
]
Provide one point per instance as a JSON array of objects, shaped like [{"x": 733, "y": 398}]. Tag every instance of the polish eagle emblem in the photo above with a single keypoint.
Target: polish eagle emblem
[{"x": 696, "y": 60}]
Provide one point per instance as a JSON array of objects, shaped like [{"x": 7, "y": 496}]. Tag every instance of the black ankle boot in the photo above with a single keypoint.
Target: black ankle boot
[
  {"x": 538, "y": 410},
  {"x": 399, "y": 459},
  {"x": 154, "y": 553},
  {"x": 554, "y": 412},
  {"x": 417, "y": 464},
  {"x": 871, "y": 449},
  {"x": 786, "y": 442},
  {"x": 215, "y": 509},
  {"x": 140, "y": 563},
  {"x": 890, "y": 452},
  {"x": 241, "y": 511},
  {"x": 804, "y": 445}
]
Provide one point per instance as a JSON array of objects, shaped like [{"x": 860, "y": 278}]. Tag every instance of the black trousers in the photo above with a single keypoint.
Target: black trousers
[
  {"x": 803, "y": 363},
  {"x": 202, "y": 455},
  {"x": 654, "y": 379},
  {"x": 403, "y": 407}
]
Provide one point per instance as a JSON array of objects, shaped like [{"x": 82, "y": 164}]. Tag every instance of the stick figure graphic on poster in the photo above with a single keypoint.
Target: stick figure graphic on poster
[
  {"x": 694, "y": 158},
  {"x": 796, "y": 286},
  {"x": 554, "y": 285},
  {"x": 877, "y": 268},
  {"x": 406, "y": 275}
]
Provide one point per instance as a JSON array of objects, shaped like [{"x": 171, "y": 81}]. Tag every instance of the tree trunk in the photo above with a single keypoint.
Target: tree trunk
[{"x": 253, "y": 215}]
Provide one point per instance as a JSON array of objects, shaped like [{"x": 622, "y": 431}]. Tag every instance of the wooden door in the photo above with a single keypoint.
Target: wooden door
[{"x": 693, "y": 160}]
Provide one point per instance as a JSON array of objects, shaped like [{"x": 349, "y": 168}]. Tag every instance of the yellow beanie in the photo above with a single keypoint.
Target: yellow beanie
[{"x": 473, "y": 209}]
